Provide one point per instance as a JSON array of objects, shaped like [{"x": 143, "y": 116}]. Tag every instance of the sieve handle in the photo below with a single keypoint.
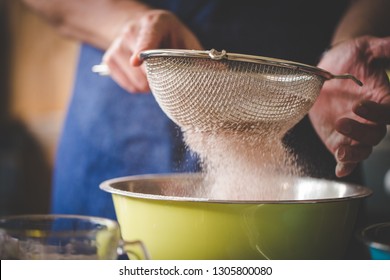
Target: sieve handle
[
  {"x": 101, "y": 69},
  {"x": 348, "y": 76}
]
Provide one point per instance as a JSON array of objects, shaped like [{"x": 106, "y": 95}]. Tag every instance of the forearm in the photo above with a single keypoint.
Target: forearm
[
  {"x": 364, "y": 17},
  {"x": 96, "y": 22}
]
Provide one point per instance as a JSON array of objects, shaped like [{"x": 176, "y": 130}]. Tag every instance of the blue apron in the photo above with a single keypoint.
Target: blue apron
[{"x": 110, "y": 133}]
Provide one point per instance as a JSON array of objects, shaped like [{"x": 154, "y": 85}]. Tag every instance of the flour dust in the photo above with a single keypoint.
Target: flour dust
[{"x": 241, "y": 165}]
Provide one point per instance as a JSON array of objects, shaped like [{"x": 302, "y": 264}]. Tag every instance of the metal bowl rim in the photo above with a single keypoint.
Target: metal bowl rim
[
  {"x": 362, "y": 192},
  {"x": 370, "y": 242}
]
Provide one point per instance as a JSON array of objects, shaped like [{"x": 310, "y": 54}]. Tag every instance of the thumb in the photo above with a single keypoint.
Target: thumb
[
  {"x": 379, "y": 48},
  {"x": 148, "y": 40}
]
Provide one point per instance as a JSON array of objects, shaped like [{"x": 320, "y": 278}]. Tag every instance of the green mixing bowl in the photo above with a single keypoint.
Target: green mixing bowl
[{"x": 305, "y": 218}]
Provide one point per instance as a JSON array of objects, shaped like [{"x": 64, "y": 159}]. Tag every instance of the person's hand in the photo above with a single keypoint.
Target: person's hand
[
  {"x": 153, "y": 29},
  {"x": 349, "y": 119}
]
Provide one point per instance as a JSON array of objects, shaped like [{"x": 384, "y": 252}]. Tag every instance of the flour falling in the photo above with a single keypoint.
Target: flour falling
[{"x": 241, "y": 165}]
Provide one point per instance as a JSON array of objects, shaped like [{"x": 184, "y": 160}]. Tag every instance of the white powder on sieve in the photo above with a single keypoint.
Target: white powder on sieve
[{"x": 237, "y": 163}]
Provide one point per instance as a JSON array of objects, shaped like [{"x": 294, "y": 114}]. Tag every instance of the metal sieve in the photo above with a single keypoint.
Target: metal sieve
[{"x": 211, "y": 90}]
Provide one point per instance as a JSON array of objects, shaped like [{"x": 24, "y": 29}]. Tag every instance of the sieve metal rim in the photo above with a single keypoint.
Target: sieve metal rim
[{"x": 220, "y": 55}]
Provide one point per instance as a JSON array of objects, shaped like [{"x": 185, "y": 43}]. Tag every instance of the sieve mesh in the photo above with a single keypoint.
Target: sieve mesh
[{"x": 210, "y": 90}]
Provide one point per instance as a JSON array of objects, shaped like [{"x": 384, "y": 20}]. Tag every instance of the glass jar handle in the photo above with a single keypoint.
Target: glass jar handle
[{"x": 127, "y": 248}]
